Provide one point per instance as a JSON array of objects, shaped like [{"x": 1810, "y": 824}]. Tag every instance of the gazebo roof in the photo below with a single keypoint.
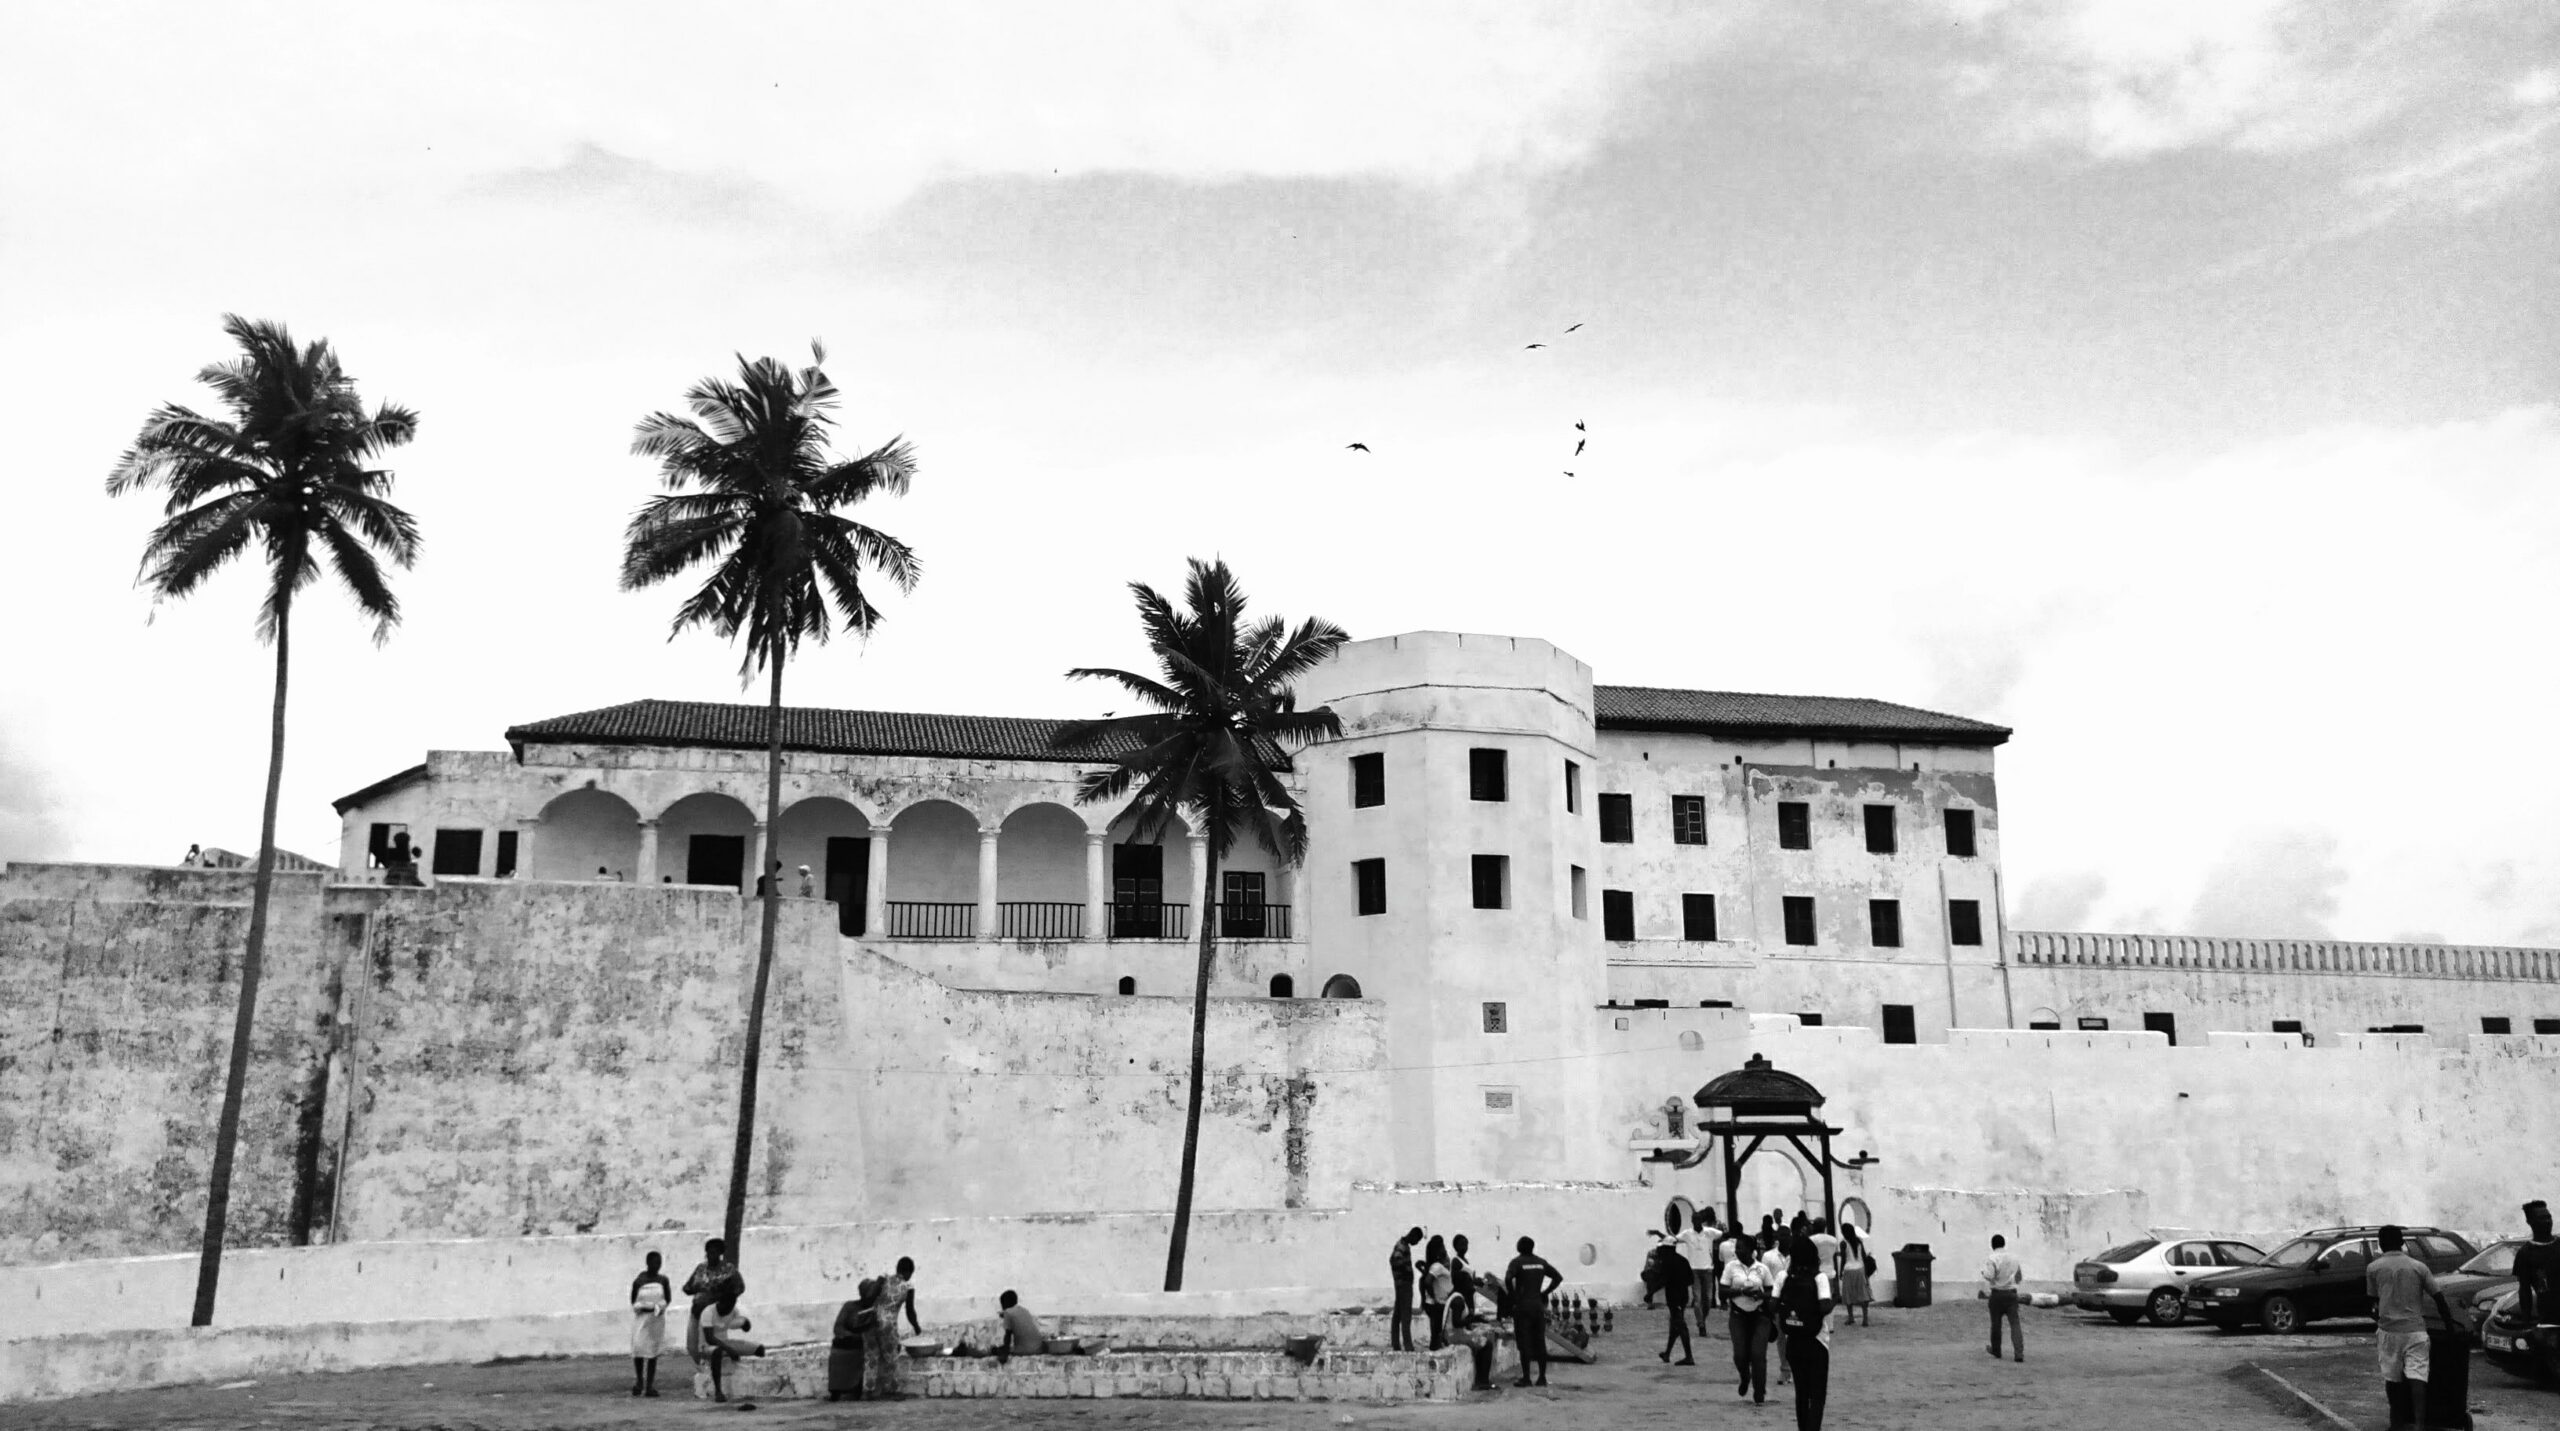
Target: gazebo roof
[{"x": 1759, "y": 1089}]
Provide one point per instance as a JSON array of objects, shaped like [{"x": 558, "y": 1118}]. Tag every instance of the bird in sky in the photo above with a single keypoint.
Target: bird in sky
[
  {"x": 1568, "y": 474},
  {"x": 1355, "y": 447},
  {"x": 1578, "y": 427},
  {"x": 1534, "y": 345},
  {"x": 1577, "y": 325},
  {"x": 1578, "y": 445}
]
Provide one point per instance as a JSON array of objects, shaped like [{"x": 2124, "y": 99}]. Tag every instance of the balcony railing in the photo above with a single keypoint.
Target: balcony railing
[
  {"x": 1238, "y": 920},
  {"x": 1039, "y": 919},
  {"x": 908, "y": 919},
  {"x": 1150, "y": 921}
]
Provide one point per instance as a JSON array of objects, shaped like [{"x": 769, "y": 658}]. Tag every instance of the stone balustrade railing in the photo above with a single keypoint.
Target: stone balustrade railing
[{"x": 2282, "y": 956}]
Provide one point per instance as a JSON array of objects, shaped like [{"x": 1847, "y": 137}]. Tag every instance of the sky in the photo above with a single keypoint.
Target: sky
[{"x": 2173, "y": 382}]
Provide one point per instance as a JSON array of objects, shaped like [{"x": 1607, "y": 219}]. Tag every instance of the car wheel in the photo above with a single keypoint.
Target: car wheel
[
  {"x": 2125, "y": 1316},
  {"x": 2167, "y": 1307},
  {"x": 2280, "y": 1315}
]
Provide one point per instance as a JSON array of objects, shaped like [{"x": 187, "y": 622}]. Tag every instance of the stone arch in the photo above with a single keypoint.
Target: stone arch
[
  {"x": 1283, "y": 987},
  {"x": 2044, "y": 1018},
  {"x": 933, "y": 854},
  {"x": 1128, "y": 984},
  {"x": 1342, "y": 986},
  {"x": 1776, "y": 1179},
  {"x": 707, "y": 838},
  {"x": 1853, "y": 1211},
  {"x": 1175, "y": 860},
  {"x": 832, "y": 836},
  {"x": 583, "y": 829},
  {"x": 1040, "y": 885},
  {"x": 1678, "y": 1214}
]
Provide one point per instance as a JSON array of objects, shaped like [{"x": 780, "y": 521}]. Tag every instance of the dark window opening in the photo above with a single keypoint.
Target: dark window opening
[
  {"x": 1880, "y": 839},
  {"x": 2090, "y": 1024},
  {"x": 1581, "y": 892},
  {"x": 717, "y": 860},
  {"x": 1242, "y": 911},
  {"x": 2291, "y": 1026},
  {"x": 1488, "y": 775},
  {"x": 1811, "y": 1021},
  {"x": 1897, "y": 1024},
  {"x": 507, "y": 853},
  {"x": 1617, "y": 819},
  {"x": 1342, "y": 986},
  {"x": 1370, "y": 877},
  {"x": 1128, "y": 985},
  {"x": 1884, "y": 923},
  {"x": 1368, "y": 780},
  {"x": 1688, "y": 819},
  {"x": 1799, "y": 916},
  {"x": 457, "y": 852},
  {"x": 2397, "y": 1028},
  {"x": 1572, "y": 788},
  {"x": 2162, "y": 1024},
  {"x": 1137, "y": 891},
  {"x": 2546, "y": 1026},
  {"x": 1698, "y": 917},
  {"x": 1618, "y": 914},
  {"x": 2046, "y": 1024},
  {"x": 2492, "y": 1024},
  {"x": 1960, "y": 833},
  {"x": 1964, "y": 921},
  {"x": 377, "y": 846},
  {"x": 1283, "y": 987},
  {"x": 1492, "y": 876},
  {"x": 1497, "y": 1017},
  {"x": 1795, "y": 825},
  {"x": 848, "y": 880}
]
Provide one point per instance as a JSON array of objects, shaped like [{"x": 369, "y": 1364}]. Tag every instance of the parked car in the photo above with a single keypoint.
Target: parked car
[
  {"x": 2312, "y": 1278},
  {"x": 2149, "y": 1278},
  {"x": 2477, "y": 1284},
  {"x": 2532, "y": 1352}
]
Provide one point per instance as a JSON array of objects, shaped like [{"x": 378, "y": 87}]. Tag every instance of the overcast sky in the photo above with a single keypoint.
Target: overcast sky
[{"x": 2173, "y": 382}]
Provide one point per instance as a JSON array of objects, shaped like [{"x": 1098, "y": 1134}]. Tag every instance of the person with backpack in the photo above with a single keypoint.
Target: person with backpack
[
  {"x": 1804, "y": 1318},
  {"x": 1746, "y": 1294}
]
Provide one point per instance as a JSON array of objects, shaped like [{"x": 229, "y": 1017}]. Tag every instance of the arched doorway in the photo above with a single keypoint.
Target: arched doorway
[
  {"x": 1342, "y": 986},
  {"x": 933, "y": 872},
  {"x": 833, "y": 838},
  {"x": 707, "y": 839},
  {"x": 1040, "y": 874},
  {"x": 1283, "y": 987},
  {"x": 586, "y": 830}
]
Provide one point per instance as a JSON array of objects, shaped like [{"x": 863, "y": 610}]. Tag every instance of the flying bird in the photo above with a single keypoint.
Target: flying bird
[
  {"x": 1355, "y": 447},
  {"x": 1577, "y": 325},
  {"x": 1577, "y": 446},
  {"x": 1568, "y": 474},
  {"x": 1534, "y": 345},
  {"x": 1578, "y": 427}
]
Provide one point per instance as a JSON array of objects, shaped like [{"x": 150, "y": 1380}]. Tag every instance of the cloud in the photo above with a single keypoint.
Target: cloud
[
  {"x": 31, "y": 823},
  {"x": 2060, "y": 902},
  {"x": 592, "y": 173},
  {"x": 2277, "y": 884}
]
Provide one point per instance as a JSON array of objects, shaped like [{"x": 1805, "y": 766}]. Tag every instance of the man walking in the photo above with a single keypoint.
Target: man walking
[
  {"x": 2399, "y": 1285},
  {"x": 1678, "y": 1280},
  {"x": 1525, "y": 1285},
  {"x": 1400, "y": 1272},
  {"x": 2002, "y": 1274}
]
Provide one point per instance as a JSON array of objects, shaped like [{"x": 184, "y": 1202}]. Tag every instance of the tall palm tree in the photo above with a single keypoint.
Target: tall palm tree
[
  {"x": 1224, "y": 711},
  {"x": 753, "y": 491},
  {"x": 291, "y": 472}
]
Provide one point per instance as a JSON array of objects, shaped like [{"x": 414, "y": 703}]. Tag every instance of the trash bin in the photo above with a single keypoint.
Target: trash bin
[{"x": 1911, "y": 1274}]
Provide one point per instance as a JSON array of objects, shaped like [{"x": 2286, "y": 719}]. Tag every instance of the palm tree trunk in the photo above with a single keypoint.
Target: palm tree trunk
[
  {"x": 226, "y": 1133},
  {"x": 733, "y": 1224},
  {"x": 1199, "y": 1071}
]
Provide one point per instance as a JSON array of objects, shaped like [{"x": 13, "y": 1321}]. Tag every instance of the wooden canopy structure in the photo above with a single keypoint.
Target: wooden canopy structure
[{"x": 1757, "y": 1102}]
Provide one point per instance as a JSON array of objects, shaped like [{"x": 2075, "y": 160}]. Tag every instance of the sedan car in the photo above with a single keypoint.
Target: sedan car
[
  {"x": 2532, "y": 1352},
  {"x": 2149, "y": 1278},
  {"x": 2478, "y": 1283},
  {"x": 2315, "y": 1276}
]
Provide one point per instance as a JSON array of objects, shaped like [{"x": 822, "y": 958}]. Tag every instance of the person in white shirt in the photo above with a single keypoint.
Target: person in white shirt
[
  {"x": 1746, "y": 1296},
  {"x": 2002, "y": 1274},
  {"x": 1698, "y": 1248}
]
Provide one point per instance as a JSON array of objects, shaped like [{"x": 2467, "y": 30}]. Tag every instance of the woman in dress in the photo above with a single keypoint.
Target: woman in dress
[
  {"x": 650, "y": 1295},
  {"x": 850, "y": 1346},
  {"x": 1437, "y": 1284},
  {"x": 1855, "y": 1289},
  {"x": 888, "y": 1350}
]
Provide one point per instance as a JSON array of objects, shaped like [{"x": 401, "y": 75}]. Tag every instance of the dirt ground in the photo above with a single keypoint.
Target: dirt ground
[{"x": 1922, "y": 1369}]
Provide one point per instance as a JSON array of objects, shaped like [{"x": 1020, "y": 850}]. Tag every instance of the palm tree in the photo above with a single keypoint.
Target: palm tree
[
  {"x": 290, "y": 472},
  {"x": 1224, "y": 713},
  {"x": 753, "y": 491}
]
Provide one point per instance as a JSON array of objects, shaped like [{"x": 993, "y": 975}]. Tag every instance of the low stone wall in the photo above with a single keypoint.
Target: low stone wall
[{"x": 1250, "y": 1374}]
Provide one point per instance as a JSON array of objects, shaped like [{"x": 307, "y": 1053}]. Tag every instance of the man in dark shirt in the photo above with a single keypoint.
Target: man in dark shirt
[
  {"x": 1677, "y": 1275},
  {"x": 1525, "y": 1285},
  {"x": 2538, "y": 1270},
  {"x": 1400, "y": 1272}
]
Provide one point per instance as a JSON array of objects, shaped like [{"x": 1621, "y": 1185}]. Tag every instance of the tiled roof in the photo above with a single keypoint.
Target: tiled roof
[
  {"x": 1743, "y": 713},
  {"x": 380, "y": 788},
  {"x": 830, "y": 732}
]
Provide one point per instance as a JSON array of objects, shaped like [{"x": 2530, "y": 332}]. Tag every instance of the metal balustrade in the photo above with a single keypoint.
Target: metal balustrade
[
  {"x": 1242, "y": 920},
  {"x": 1150, "y": 921},
  {"x": 910, "y": 919},
  {"x": 1040, "y": 919}
]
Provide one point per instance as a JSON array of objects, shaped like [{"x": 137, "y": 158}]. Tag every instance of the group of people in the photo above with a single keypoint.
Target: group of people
[
  {"x": 1779, "y": 1286},
  {"x": 865, "y": 1355},
  {"x": 1463, "y": 1309},
  {"x": 2413, "y": 1324}
]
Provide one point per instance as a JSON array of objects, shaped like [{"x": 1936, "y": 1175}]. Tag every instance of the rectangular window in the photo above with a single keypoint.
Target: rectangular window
[
  {"x": 507, "y": 854},
  {"x": 2546, "y": 1026},
  {"x": 2162, "y": 1024},
  {"x": 1964, "y": 921},
  {"x": 457, "y": 852},
  {"x": 1368, "y": 780},
  {"x": 1698, "y": 917},
  {"x": 1572, "y": 788},
  {"x": 1795, "y": 825},
  {"x": 1497, "y": 1017},
  {"x": 2491, "y": 1024},
  {"x": 1897, "y": 1024},
  {"x": 1884, "y": 923},
  {"x": 1370, "y": 878},
  {"x": 1492, "y": 876},
  {"x": 1488, "y": 775},
  {"x": 1880, "y": 830},
  {"x": 2089, "y": 1024},
  {"x": 1811, "y": 1021},
  {"x": 1799, "y": 908},
  {"x": 1501, "y": 1100},
  {"x": 2291, "y": 1026},
  {"x": 1960, "y": 833},
  {"x": 377, "y": 846},
  {"x": 1688, "y": 819},
  {"x": 1617, "y": 819},
  {"x": 1618, "y": 914},
  {"x": 1581, "y": 893},
  {"x": 2044, "y": 1023}
]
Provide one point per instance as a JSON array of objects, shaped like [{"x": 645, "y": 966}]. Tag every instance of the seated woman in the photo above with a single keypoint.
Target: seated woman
[
  {"x": 1470, "y": 1324},
  {"x": 850, "y": 1343},
  {"x": 724, "y": 1331}
]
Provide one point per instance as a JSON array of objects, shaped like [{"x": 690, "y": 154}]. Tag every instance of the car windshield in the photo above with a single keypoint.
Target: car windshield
[
  {"x": 2497, "y": 1261},
  {"x": 2296, "y": 1253},
  {"x": 2126, "y": 1253}
]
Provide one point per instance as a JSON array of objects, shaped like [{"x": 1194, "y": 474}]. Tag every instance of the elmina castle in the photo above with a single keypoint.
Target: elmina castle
[{"x": 1536, "y": 916}]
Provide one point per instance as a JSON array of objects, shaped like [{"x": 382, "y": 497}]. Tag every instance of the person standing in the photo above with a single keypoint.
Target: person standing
[
  {"x": 1679, "y": 1279},
  {"x": 2400, "y": 1286},
  {"x": 2537, "y": 1269},
  {"x": 1687, "y": 1243},
  {"x": 888, "y": 1347},
  {"x": 1746, "y": 1295},
  {"x": 1525, "y": 1285},
  {"x": 1651, "y": 1276},
  {"x": 1436, "y": 1287},
  {"x": 848, "y": 1346},
  {"x": 1857, "y": 1269},
  {"x": 1400, "y": 1275},
  {"x": 1708, "y": 1238},
  {"x": 1462, "y": 1273},
  {"x": 715, "y": 1278},
  {"x": 1804, "y": 1318},
  {"x": 1774, "y": 1262},
  {"x": 650, "y": 1298},
  {"x": 2002, "y": 1274}
]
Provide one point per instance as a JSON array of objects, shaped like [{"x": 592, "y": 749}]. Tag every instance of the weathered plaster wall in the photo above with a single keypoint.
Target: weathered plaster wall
[
  {"x": 1239, "y": 968},
  {"x": 118, "y": 988}
]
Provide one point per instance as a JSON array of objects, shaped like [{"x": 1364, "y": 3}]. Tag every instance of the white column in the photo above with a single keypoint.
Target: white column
[
  {"x": 648, "y": 871},
  {"x": 875, "y": 892},
  {"x": 1199, "y": 882},
  {"x": 1097, "y": 883},
  {"x": 764, "y": 859},
  {"x": 987, "y": 882},
  {"x": 1284, "y": 882},
  {"x": 524, "y": 845}
]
